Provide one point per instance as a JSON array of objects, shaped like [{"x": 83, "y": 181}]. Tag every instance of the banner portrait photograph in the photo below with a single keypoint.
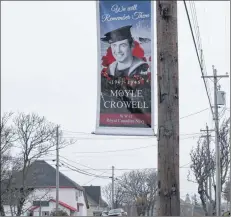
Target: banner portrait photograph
[{"x": 125, "y": 49}]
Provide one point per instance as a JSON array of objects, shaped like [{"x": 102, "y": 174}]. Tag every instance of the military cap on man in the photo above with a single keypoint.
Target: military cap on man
[{"x": 118, "y": 35}]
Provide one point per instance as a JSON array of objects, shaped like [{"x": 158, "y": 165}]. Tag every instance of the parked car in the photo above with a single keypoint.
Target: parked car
[
  {"x": 117, "y": 212},
  {"x": 104, "y": 213}
]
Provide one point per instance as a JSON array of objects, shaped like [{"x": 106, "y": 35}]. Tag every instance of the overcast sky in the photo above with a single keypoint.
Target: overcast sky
[{"x": 49, "y": 66}]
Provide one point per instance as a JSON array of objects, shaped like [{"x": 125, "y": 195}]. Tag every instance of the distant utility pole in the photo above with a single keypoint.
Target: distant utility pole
[
  {"x": 207, "y": 136},
  {"x": 40, "y": 208},
  {"x": 57, "y": 168},
  {"x": 230, "y": 167},
  {"x": 216, "y": 119},
  {"x": 1, "y": 205},
  {"x": 113, "y": 186},
  {"x": 168, "y": 108}
]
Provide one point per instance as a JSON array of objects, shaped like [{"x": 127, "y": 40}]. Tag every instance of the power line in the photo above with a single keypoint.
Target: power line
[
  {"x": 131, "y": 149},
  {"x": 118, "y": 138},
  {"x": 201, "y": 68},
  {"x": 78, "y": 163},
  {"x": 93, "y": 179},
  {"x": 123, "y": 169},
  {"x": 86, "y": 133},
  {"x": 108, "y": 137},
  {"x": 122, "y": 150},
  {"x": 73, "y": 162},
  {"x": 73, "y": 168},
  {"x": 194, "y": 113}
]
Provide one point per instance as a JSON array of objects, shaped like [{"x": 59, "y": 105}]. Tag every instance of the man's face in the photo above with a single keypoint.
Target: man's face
[{"x": 121, "y": 50}]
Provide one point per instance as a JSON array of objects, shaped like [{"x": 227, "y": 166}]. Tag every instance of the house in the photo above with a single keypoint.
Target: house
[
  {"x": 50, "y": 206},
  {"x": 41, "y": 184},
  {"x": 95, "y": 201},
  {"x": 189, "y": 209}
]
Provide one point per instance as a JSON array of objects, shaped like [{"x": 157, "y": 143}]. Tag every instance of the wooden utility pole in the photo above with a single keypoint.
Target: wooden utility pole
[
  {"x": 168, "y": 109},
  {"x": 217, "y": 137},
  {"x": 1, "y": 205},
  {"x": 57, "y": 169},
  {"x": 229, "y": 166},
  {"x": 209, "y": 204},
  {"x": 113, "y": 188}
]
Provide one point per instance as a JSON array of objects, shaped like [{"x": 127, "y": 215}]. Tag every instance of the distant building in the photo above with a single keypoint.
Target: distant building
[
  {"x": 189, "y": 209},
  {"x": 41, "y": 179},
  {"x": 95, "y": 201}
]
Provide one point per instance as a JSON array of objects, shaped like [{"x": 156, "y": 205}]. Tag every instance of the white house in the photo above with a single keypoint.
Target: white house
[
  {"x": 41, "y": 178},
  {"x": 46, "y": 210}
]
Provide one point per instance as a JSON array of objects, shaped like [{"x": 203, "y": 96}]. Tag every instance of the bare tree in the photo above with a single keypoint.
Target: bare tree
[
  {"x": 36, "y": 138},
  {"x": 226, "y": 192},
  {"x": 119, "y": 198},
  {"x": 136, "y": 188},
  {"x": 152, "y": 185},
  {"x": 8, "y": 137},
  {"x": 203, "y": 164},
  {"x": 141, "y": 186},
  {"x": 224, "y": 149}
]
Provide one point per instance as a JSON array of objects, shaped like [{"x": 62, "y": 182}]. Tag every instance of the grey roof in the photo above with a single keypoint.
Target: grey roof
[
  {"x": 40, "y": 174},
  {"x": 94, "y": 192}
]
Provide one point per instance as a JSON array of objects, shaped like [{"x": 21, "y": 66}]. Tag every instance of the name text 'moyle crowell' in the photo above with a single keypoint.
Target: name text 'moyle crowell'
[{"x": 127, "y": 104}]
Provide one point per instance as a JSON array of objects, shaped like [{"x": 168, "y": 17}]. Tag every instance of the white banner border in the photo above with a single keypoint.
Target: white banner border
[{"x": 125, "y": 131}]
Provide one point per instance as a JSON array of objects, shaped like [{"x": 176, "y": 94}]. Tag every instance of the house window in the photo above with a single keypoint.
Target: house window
[
  {"x": 45, "y": 213},
  {"x": 80, "y": 193}
]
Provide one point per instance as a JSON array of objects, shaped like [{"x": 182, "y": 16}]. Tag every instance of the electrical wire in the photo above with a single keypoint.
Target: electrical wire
[
  {"x": 130, "y": 149},
  {"x": 194, "y": 113},
  {"x": 96, "y": 176},
  {"x": 112, "y": 151},
  {"x": 92, "y": 179},
  {"x": 125, "y": 169},
  {"x": 78, "y": 163},
  {"x": 202, "y": 72},
  {"x": 73, "y": 168},
  {"x": 63, "y": 162},
  {"x": 86, "y": 133},
  {"x": 201, "y": 67}
]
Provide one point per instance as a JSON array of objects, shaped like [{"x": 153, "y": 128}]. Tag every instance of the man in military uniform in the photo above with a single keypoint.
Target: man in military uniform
[
  {"x": 126, "y": 65},
  {"x": 122, "y": 44}
]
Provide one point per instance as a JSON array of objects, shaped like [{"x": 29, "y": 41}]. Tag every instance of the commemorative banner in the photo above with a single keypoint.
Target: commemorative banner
[{"x": 125, "y": 68}]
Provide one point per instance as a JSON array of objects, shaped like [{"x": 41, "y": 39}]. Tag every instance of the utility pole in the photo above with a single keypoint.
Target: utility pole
[
  {"x": 216, "y": 119},
  {"x": 113, "y": 187},
  {"x": 57, "y": 169},
  {"x": 1, "y": 205},
  {"x": 209, "y": 178},
  {"x": 230, "y": 167},
  {"x": 168, "y": 108},
  {"x": 40, "y": 208}
]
